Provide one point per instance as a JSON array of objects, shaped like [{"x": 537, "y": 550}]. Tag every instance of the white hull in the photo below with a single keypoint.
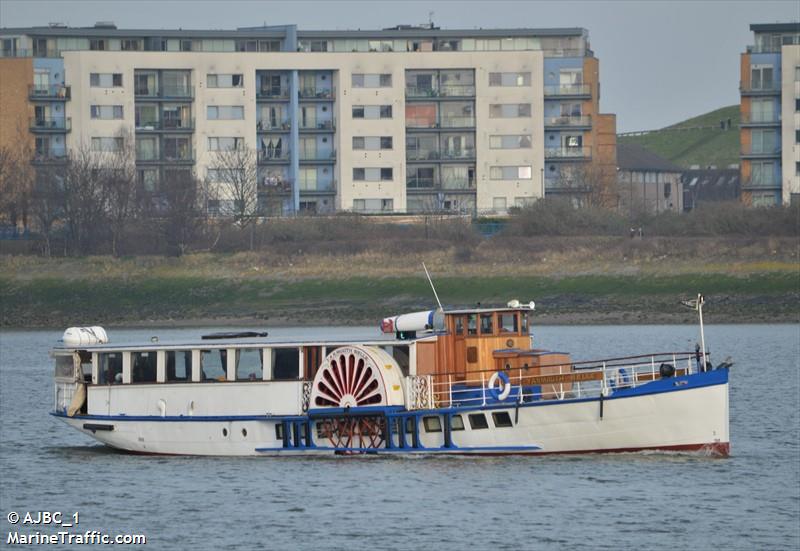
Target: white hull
[{"x": 682, "y": 419}]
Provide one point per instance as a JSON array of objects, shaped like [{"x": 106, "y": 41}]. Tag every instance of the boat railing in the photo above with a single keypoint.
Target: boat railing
[{"x": 572, "y": 380}]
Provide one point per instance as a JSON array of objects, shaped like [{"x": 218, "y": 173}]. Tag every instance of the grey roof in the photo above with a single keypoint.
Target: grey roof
[
  {"x": 278, "y": 31},
  {"x": 635, "y": 157},
  {"x": 793, "y": 27}
]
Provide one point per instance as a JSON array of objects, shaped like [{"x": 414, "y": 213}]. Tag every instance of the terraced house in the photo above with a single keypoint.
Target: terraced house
[
  {"x": 406, "y": 119},
  {"x": 770, "y": 108}
]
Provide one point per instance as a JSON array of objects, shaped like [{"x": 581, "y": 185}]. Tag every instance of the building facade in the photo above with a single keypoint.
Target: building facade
[
  {"x": 647, "y": 183},
  {"x": 407, "y": 119},
  {"x": 770, "y": 109}
]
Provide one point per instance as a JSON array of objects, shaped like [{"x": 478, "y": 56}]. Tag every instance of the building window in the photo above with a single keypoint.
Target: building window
[
  {"x": 106, "y": 112},
  {"x": 225, "y": 144},
  {"x": 359, "y": 174},
  {"x": 510, "y": 172},
  {"x": 499, "y": 204},
  {"x": 98, "y": 44},
  {"x": 509, "y": 79},
  {"x": 478, "y": 421},
  {"x": 371, "y": 80},
  {"x": 358, "y": 111},
  {"x": 225, "y": 112},
  {"x": 386, "y": 174},
  {"x": 509, "y": 110},
  {"x": 105, "y": 80},
  {"x": 107, "y": 144},
  {"x": 372, "y": 143},
  {"x": 761, "y": 77},
  {"x": 797, "y": 169},
  {"x": 511, "y": 141},
  {"x": 225, "y": 81}
]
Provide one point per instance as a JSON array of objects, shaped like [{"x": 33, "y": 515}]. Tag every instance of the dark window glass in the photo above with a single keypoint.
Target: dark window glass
[
  {"x": 143, "y": 367},
  {"x": 285, "y": 363},
  {"x": 502, "y": 419},
  {"x": 486, "y": 324},
  {"x": 478, "y": 421}
]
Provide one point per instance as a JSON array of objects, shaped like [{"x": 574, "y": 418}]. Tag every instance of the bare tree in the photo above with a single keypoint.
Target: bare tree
[
  {"x": 85, "y": 197},
  {"x": 588, "y": 185},
  {"x": 16, "y": 182},
  {"x": 233, "y": 182},
  {"x": 180, "y": 207},
  {"x": 120, "y": 191},
  {"x": 47, "y": 201}
]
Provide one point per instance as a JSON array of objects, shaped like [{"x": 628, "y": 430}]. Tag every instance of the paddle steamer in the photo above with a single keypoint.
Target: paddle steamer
[{"x": 465, "y": 381}]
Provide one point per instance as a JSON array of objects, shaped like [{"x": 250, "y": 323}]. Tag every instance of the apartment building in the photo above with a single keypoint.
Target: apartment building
[
  {"x": 770, "y": 109},
  {"x": 406, "y": 119}
]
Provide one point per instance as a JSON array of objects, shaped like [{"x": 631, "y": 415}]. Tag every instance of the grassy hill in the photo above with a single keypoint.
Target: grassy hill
[{"x": 696, "y": 141}]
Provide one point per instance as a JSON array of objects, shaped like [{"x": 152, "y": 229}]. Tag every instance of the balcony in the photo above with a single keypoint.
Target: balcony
[
  {"x": 428, "y": 123},
  {"x": 56, "y": 92},
  {"x": 455, "y": 91},
  {"x": 771, "y": 88},
  {"x": 760, "y": 119},
  {"x": 568, "y": 91},
  {"x": 757, "y": 184},
  {"x": 272, "y": 185},
  {"x": 179, "y": 157},
  {"x": 422, "y": 155},
  {"x": 164, "y": 93},
  {"x": 274, "y": 126},
  {"x": 50, "y": 124},
  {"x": 274, "y": 156},
  {"x": 314, "y": 188},
  {"x": 169, "y": 125},
  {"x": 272, "y": 94},
  {"x": 761, "y": 151},
  {"x": 49, "y": 157},
  {"x": 465, "y": 154},
  {"x": 320, "y": 126},
  {"x": 321, "y": 94},
  {"x": 570, "y": 121},
  {"x": 568, "y": 153},
  {"x": 425, "y": 185},
  {"x": 318, "y": 157}
]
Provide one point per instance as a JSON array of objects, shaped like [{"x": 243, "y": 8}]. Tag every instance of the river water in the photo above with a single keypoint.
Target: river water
[{"x": 626, "y": 501}]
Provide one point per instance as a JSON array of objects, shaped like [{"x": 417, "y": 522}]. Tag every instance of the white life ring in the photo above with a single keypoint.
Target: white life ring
[{"x": 505, "y": 385}]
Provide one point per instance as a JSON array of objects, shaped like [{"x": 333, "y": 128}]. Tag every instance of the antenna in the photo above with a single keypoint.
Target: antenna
[{"x": 439, "y": 302}]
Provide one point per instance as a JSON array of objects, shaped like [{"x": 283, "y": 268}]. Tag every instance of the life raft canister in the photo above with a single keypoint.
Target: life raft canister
[{"x": 499, "y": 393}]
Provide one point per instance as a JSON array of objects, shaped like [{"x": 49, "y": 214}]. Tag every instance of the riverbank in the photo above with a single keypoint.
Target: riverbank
[{"x": 573, "y": 281}]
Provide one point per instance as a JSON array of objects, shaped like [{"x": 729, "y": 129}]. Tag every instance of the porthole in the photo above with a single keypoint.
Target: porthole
[{"x": 224, "y": 432}]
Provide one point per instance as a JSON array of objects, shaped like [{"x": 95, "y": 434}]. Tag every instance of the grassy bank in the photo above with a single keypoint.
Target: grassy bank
[{"x": 587, "y": 280}]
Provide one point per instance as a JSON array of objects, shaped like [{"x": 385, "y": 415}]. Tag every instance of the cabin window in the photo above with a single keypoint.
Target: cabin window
[
  {"x": 110, "y": 368},
  {"x": 179, "y": 366},
  {"x": 65, "y": 368},
  {"x": 459, "y": 325},
  {"x": 472, "y": 324},
  {"x": 502, "y": 419},
  {"x": 212, "y": 365},
  {"x": 486, "y": 324},
  {"x": 249, "y": 364},
  {"x": 279, "y": 431},
  {"x": 432, "y": 424},
  {"x": 456, "y": 423},
  {"x": 525, "y": 323},
  {"x": 508, "y": 323},
  {"x": 478, "y": 421},
  {"x": 285, "y": 364},
  {"x": 86, "y": 365},
  {"x": 143, "y": 367}
]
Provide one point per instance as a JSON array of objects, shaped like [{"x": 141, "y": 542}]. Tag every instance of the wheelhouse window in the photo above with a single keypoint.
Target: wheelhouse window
[
  {"x": 486, "y": 324},
  {"x": 472, "y": 324},
  {"x": 508, "y": 323},
  {"x": 110, "y": 368},
  {"x": 459, "y": 325},
  {"x": 249, "y": 364},
  {"x": 143, "y": 367},
  {"x": 478, "y": 421},
  {"x": 525, "y": 323},
  {"x": 179, "y": 366},
  {"x": 212, "y": 365}
]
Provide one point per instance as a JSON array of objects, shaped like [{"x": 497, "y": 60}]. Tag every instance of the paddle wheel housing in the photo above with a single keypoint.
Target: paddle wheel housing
[{"x": 355, "y": 377}]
